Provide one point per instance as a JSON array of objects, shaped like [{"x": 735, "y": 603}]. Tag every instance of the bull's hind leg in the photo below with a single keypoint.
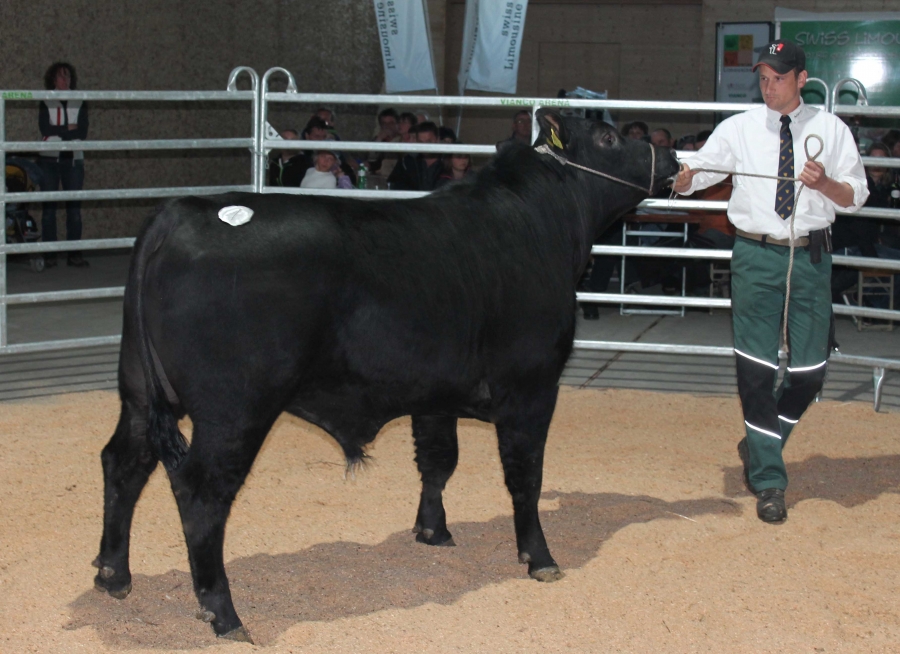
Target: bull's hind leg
[
  {"x": 521, "y": 435},
  {"x": 437, "y": 452},
  {"x": 205, "y": 485},
  {"x": 127, "y": 463}
]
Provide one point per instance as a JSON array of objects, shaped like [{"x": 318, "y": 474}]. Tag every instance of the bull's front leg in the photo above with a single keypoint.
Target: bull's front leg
[
  {"x": 437, "y": 452},
  {"x": 521, "y": 435}
]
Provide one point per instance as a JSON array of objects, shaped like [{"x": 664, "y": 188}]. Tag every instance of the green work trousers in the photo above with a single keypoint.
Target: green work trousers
[{"x": 758, "y": 284}]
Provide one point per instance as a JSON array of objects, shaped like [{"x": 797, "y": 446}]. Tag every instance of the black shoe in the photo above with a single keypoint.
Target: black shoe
[
  {"x": 744, "y": 453},
  {"x": 770, "y": 506},
  {"x": 77, "y": 261}
]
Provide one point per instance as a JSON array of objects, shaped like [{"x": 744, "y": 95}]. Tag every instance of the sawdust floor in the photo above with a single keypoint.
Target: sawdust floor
[{"x": 643, "y": 509}]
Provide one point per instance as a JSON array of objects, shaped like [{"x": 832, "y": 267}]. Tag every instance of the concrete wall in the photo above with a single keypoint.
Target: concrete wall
[{"x": 649, "y": 49}]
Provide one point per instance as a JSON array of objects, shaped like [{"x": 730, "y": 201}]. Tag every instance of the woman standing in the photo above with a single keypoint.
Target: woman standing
[{"x": 62, "y": 120}]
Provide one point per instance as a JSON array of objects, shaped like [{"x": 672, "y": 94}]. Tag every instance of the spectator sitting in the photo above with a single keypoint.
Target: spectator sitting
[
  {"x": 326, "y": 173},
  {"x": 636, "y": 130},
  {"x": 892, "y": 140},
  {"x": 446, "y": 135},
  {"x": 287, "y": 167},
  {"x": 388, "y": 132},
  {"x": 521, "y": 130},
  {"x": 859, "y": 235},
  {"x": 455, "y": 167},
  {"x": 328, "y": 116},
  {"x": 686, "y": 143},
  {"x": 662, "y": 137},
  {"x": 406, "y": 123},
  {"x": 317, "y": 130},
  {"x": 418, "y": 172},
  {"x": 701, "y": 139}
]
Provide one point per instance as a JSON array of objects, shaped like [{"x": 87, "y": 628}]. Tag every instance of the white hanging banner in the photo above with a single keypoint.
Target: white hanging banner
[
  {"x": 405, "y": 45},
  {"x": 492, "y": 41}
]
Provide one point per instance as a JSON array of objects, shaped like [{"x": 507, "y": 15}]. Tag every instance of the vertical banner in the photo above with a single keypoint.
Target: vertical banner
[
  {"x": 492, "y": 42},
  {"x": 738, "y": 48},
  {"x": 405, "y": 39}
]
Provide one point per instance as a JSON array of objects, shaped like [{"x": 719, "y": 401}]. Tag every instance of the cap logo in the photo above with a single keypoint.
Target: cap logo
[{"x": 775, "y": 47}]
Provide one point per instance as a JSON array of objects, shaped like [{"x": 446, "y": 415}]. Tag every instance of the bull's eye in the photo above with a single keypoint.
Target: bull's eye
[{"x": 609, "y": 139}]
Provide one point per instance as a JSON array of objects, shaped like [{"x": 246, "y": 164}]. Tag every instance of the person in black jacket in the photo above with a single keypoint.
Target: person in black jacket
[
  {"x": 419, "y": 172},
  {"x": 62, "y": 120}
]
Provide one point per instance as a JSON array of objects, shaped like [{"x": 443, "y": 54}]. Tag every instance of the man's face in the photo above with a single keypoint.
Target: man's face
[
  {"x": 522, "y": 126},
  {"x": 658, "y": 137},
  {"x": 317, "y": 134},
  {"x": 879, "y": 171},
  {"x": 63, "y": 79},
  {"x": 636, "y": 133},
  {"x": 426, "y": 137},
  {"x": 781, "y": 93},
  {"x": 404, "y": 126},
  {"x": 388, "y": 124}
]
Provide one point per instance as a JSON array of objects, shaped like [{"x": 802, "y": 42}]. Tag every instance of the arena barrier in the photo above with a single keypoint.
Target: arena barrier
[{"x": 261, "y": 142}]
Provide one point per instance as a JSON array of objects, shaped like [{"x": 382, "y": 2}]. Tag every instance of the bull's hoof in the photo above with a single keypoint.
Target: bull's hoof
[
  {"x": 548, "y": 574},
  {"x": 240, "y": 634},
  {"x": 105, "y": 581},
  {"x": 428, "y": 536},
  {"x": 119, "y": 593}
]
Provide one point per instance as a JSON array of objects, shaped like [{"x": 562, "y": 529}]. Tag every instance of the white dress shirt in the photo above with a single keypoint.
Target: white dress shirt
[{"x": 750, "y": 142}]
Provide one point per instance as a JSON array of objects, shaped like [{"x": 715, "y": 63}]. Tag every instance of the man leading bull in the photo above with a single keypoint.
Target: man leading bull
[{"x": 773, "y": 140}]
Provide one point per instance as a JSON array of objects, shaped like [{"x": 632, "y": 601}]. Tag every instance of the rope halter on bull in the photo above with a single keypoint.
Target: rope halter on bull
[
  {"x": 790, "y": 270},
  {"x": 545, "y": 149}
]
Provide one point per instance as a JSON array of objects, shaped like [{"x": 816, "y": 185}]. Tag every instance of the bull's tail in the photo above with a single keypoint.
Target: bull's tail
[{"x": 166, "y": 440}]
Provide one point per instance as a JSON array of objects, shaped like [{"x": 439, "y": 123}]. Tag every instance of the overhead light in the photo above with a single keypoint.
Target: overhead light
[{"x": 870, "y": 70}]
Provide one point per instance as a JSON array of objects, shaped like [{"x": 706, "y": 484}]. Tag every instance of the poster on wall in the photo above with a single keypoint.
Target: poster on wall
[
  {"x": 865, "y": 46},
  {"x": 405, "y": 40},
  {"x": 738, "y": 46},
  {"x": 492, "y": 42}
]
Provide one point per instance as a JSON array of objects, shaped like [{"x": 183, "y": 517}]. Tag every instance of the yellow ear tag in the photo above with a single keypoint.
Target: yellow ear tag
[{"x": 555, "y": 139}]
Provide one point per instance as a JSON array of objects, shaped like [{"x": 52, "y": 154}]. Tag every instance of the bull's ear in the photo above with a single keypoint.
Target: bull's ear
[{"x": 553, "y": 131}]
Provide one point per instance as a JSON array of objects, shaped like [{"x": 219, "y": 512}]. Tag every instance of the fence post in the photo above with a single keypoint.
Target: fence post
[
  {"x": 264, "y": 119},
  {"x": 3, "y": 331},
  {"x": 257, "y": 146}
]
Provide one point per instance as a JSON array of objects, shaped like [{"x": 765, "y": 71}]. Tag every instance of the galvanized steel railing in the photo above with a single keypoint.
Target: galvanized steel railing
[{"x": 260, "y": 97}]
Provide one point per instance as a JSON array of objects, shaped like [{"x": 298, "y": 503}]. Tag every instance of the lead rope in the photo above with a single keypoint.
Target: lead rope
[
  {"x": 545, "y": 149},
  {"x": 790, "y": 270}
]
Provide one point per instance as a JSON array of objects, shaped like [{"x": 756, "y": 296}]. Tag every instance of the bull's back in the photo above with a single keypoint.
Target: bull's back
[{"x": 410, "y": 294}]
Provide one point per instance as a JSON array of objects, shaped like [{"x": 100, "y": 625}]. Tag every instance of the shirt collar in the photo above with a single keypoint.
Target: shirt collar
[{"x": 801, "y": 114}]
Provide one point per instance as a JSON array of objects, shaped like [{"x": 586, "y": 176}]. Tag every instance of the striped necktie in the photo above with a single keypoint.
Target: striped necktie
[{"x": 784, "y": 195}]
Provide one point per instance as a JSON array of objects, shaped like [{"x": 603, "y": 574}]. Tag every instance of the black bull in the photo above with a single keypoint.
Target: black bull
[{"x": 349, "y": 314}]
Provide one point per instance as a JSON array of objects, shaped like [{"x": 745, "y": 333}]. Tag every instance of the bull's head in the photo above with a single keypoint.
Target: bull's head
[{"x": 629, "y": 170}]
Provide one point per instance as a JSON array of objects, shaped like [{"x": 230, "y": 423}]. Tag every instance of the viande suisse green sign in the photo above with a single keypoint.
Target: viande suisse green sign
[{"x": 866, "y": 50}]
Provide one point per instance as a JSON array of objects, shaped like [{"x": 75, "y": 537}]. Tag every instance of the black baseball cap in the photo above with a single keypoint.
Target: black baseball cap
[{"x": 782, "y": 57}]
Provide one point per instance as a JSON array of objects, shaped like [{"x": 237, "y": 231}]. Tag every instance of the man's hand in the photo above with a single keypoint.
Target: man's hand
[
  {"x": 684, "y": 180},
  {"x": 813, "y": 175},
  {"x": 71, "y": 127}
]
